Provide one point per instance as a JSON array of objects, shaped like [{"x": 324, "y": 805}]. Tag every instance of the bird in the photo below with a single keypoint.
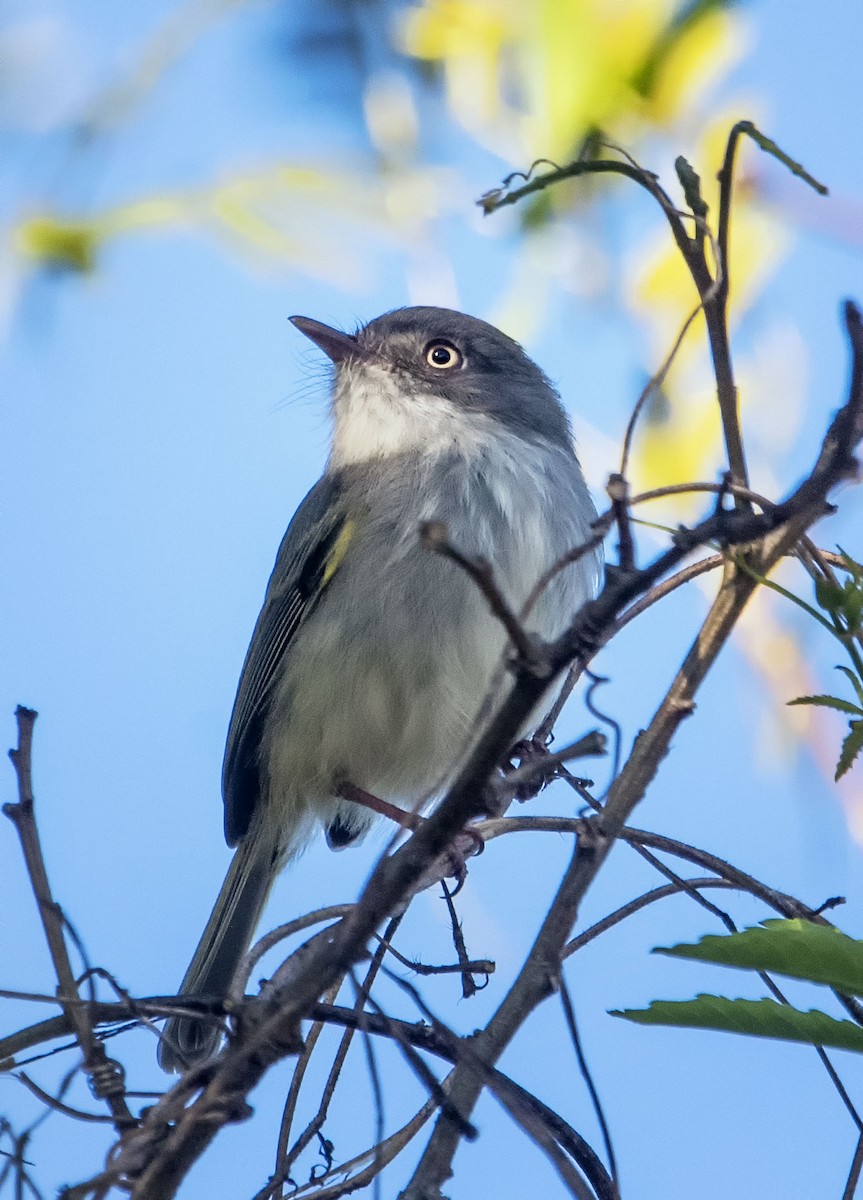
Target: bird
[{"x": 373, "y": 658}]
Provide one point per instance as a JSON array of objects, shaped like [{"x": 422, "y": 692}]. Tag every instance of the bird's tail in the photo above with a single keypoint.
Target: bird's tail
[{"x": 226, "y": 938}]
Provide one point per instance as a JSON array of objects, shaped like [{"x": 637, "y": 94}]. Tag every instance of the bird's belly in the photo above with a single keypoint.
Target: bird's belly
[{"x": 390, "y": 710}]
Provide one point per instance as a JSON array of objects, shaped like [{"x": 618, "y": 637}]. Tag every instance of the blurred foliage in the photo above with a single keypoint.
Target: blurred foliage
[{"x": 533, "y": 80}]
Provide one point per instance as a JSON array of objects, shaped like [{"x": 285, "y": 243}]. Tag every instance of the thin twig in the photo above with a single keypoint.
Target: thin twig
[
  {"x": 854, "y": 1173},
  {"x": 434, "y": 537},
  {"x": 279, "y": 934},
  {"x": 618, "y": 493},
  {"x": 384, "y": 1154},
  {"x": 58, "y": 1105},
  {"x": 710, "y": 563},
  {"x": 106, "y": 1075},
  {"x": 316, "y": 1123},
  {"x": 469, "y": 985},
  {"x": 483, "y": 966},
  {"x": 636, "y": 905},
  {"x": 280, "y": 1173},
  {"x": 375, "y": 1080},
  {"x": 572, "y": 1026}
]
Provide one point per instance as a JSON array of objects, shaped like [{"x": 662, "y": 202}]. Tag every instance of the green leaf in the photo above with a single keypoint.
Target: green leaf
[
  {"x": 843, "y": 706},
  {"x": 755, "y": 1018},
  {"x": 851, "y": 747},
  {"x": 855, "y": 682},
  {"x": 797, "y": 948},
  {"x": 852, "y": 606},
  {"x": 854, "y": 569},
  {"x": 829, "y": 595}
]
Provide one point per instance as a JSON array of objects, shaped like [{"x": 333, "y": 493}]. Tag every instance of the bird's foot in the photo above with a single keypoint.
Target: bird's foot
[
  {"x": 452, "y": 864},
  {"x": 531, "y": 750}
]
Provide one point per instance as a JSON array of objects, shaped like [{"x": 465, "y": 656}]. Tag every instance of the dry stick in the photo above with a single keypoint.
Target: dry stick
[
  {"x": 692, "y": 250},
  {"x": 58, "y": 1105},
  {"x": 418, "y": 1065},
  {"x": 854, "y": 1174},
  {"x": 636, "y": 905},
  {"x": 575, "y": 1038},
  {"x": 715, "y": 310},
  {"x": 389, "y": 1148},
  {"x": 534, "y": 983},
  {"x": 423, "y": 1037},
  {"x": 712, "y": 290},
  {"x": 279, "y": 934},
  {"x": 469, "y": 986},
  {"x": 578, "y": 1149},
  {"x": 545, "y": 1127},
  {"x": 289, "y": 1157},
  {"x": 482, "y": 966},
  {"x": 280, "y": 1175},
  {"x": 501, "y": 198},
  {"x": 591, "y": 745},
  {"x": 237, "y": 1071},
  {"x": 667, "y": 586},
  {"x": 527, "y": 1117},
  {"x": 789, "y": 906},
  {"x": 728, "y": 874},
  {"x": 375, "y": 1081},
  {"x": 618, "y": 493},
  {"x": 105, "y": 1075},
  {"x": 716, "y": 317},
  {"x": 703, "y": 232}
]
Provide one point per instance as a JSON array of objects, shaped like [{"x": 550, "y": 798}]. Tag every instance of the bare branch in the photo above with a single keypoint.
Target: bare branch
[{"x": 106, "y": 1075}]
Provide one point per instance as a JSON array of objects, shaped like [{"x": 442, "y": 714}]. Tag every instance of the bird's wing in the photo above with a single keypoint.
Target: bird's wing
[{"x": 310, "y": 554}]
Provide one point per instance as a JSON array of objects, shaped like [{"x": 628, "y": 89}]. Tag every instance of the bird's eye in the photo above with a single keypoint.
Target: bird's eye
[{"x": 443, "y": 356}]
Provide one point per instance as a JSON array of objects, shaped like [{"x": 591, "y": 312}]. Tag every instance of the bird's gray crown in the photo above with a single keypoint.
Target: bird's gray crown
[
  {"x": 459, "y": 358},
  {"x": 490, "y": 373}
]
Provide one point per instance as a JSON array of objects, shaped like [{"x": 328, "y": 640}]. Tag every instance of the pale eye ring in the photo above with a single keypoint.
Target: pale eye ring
[{"x": 443, "y": 356}]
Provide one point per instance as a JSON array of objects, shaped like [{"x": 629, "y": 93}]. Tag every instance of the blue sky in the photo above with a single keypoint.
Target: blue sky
[{"x": 161, "y": 421}]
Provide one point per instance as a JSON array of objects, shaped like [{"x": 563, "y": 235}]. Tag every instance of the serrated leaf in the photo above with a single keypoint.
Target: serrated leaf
[
  {"x": 843, "y": 706},
  {"x": 754, "y": 1018},
  {"x": 851, "y": 747},
  {"x": 796, "y": 948},
  {"x": 855, "y": 682}
]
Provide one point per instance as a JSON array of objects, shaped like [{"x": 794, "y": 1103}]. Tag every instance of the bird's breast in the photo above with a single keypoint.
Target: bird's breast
[{"x": 388, "y": 677}]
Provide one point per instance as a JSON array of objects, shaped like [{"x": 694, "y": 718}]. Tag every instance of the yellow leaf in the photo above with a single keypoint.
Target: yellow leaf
[
  {"x": 705, "y": 51},
  {"x": 51, "y": 242}
]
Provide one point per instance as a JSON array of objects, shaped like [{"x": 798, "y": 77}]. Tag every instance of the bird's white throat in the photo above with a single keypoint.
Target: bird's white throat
[{"x": 374, "y": 417}]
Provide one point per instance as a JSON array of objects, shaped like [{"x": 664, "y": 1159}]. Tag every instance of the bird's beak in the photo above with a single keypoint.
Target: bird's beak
[{"x": 336, "y": 345}]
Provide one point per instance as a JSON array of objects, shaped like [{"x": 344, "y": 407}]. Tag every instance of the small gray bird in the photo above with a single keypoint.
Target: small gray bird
[{"x": 373, "y": 657}]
